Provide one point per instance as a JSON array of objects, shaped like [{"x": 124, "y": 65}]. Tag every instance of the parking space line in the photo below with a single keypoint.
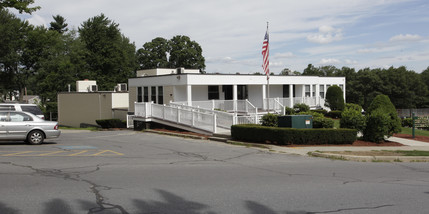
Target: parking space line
[
  {"x": 104, "y": 151},
  {"x": 51, "y": 153},
  {"x": 17, "y": 153}
]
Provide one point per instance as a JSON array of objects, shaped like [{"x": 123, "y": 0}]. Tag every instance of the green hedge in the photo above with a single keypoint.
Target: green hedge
[
  {"x": 111, "y": 123},
  {"x": 285, "y": 136}
]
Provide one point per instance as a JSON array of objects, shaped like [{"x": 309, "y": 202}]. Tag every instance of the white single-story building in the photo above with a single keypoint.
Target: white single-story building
[{"x": 163, "y": 86}]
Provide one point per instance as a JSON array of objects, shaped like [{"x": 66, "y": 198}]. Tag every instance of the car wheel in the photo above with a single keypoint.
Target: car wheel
[{"x": 35, "y": 137}]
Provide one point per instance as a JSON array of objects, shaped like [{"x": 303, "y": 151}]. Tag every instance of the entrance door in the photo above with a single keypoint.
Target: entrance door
[{"x": 227, "y": 90}]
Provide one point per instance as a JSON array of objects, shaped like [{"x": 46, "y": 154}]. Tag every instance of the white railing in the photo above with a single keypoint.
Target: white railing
[
  {"x": 130, "y": 121},
  {"x": 274, "y": 104},
  {"x": 253, "y": 119},
  {"x": 200, "y": 120},
  {"x": 225, "y": 105}
]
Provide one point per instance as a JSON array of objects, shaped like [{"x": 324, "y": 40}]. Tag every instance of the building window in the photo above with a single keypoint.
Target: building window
[
  {"x": 146, "y": 94},
  {"x": 213, "y": 92},
  {"x": 139, "y": 94},
  {"x": 242, "y": 93},
  {"x": 160, "y": 95},
  {"x": 322, "y": 91},
  {"x": 285, "y": 91},
  {"x": 153, "y": 94},
  {"x": 307, "y": 90},
  {"x": 314, "y": 91}
]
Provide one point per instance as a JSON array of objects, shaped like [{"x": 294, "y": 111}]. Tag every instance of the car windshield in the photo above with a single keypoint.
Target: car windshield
[
  {"x": 32, "y": 109},
  {"x": 7, "y": 107}
]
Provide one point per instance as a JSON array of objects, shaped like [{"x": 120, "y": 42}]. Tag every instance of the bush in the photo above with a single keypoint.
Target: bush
[
  {"x": 323, "y": 122},
  {"x": 407, "y": 122},
  {"x": 321, "y": 111},
  {"x": 284, "y": 136},
  {"x": 289, "y": 111},
  {"x": 353, "y": 106},
  {"x": 269, "y": 120},
  {"x": 111, "y": 123},
  {"x": 301, "y": 107},
  {"x": 334, "y": 114},
  {"x": 314, "y": 114},
  {"x": 377, "y": 126},
  {"x": 334, "y": 98},
  {"x": 351, "y": 118}
]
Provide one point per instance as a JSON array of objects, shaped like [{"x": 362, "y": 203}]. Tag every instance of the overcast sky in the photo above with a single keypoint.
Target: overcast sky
[{"x": 353, "y": 33}]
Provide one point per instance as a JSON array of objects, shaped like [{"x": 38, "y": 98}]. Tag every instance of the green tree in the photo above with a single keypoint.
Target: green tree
[
  {"x": 186, "y": 53},
  {"x": 20, "y": 5},
  {"x": 59, "y": 24},
  {"x": 110, "y": 56},
  {"x": 334, "y": 98},
  {"x": 154, "y": 54},
  {"x": 352, "y": 118}
]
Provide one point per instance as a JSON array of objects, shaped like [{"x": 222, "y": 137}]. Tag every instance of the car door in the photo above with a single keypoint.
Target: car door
[
  {"x": 19, "y": 125},
  {"x": 3, "y": 121}
]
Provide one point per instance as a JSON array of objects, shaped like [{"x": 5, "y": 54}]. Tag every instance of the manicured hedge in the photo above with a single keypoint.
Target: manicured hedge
[
  {"x": 285, "y": 136},
  {"x": 111, "y": 123}
]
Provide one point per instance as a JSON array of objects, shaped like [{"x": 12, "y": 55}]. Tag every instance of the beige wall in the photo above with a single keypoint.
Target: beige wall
[
  {"x": 132, "y": 97},
  {"x": 168, "y": 94},
  {"x": 77, "y": 108},
  {"x": 120, "y": 100}
]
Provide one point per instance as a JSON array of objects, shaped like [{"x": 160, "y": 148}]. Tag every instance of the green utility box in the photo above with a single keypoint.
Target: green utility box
[{"x": 296, "y": 121}]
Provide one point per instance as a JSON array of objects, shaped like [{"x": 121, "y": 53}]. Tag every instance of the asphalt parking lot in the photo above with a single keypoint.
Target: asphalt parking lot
[{"x": 135, "y": 172}]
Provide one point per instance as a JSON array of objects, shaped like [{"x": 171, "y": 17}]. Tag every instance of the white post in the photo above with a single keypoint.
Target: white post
[
  {"x": 163, "y": 112},
  {"x": 178, "y": 115},
  {"x": 291, "y": 96},
  {"x": 193, "y": 118},
  {"x": 213, "y": 104},
  {"x": 214, "y": 124},
  {"x": 189, "y": 94},
  {"x": 247, "y": 105},
  {"x": 234, "y": 97},
  {"x": 264, "y": 96}
]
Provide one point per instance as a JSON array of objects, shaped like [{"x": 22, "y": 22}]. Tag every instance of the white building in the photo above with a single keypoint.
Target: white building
[{"x": 163, "y": 87}]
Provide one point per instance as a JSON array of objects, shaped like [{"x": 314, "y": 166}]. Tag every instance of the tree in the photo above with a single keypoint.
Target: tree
[
  {"x": 334, "y": 98},
  {"x": 186, "y": 53},
  {"x": 20, "y": 5},
  {"x": 59, "y": 24},
  {"x": 110, "y": 56},
  {"x": 154, "y": 54}
]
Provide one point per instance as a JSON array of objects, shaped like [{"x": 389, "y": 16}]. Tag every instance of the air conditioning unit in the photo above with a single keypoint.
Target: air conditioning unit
[
  {"x": 180, "y": 70},
  {"x": 93, "y": 88},
  {"x": 122, "y": 87}
]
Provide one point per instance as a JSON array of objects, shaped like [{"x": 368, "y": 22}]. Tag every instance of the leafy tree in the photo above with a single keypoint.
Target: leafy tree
[
  {"x": 186, "y": 53},
  {"x": 312, "y": 71},
  {"x": 110, "y": 56},
  {"x": 20, "y": 5},
  {"x": 334, "y": 98},
  {"x": 154, "y": 54},
  {"x": 59, "y": 24},
  {"x": 352, "y": 118}
]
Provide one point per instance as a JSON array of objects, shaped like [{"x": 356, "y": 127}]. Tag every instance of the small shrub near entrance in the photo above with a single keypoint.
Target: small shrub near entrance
[{"x": 269, "y": 120}]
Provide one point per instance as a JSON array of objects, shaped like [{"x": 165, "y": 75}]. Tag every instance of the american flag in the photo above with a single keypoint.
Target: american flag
[{"x": 265, "y": 54}]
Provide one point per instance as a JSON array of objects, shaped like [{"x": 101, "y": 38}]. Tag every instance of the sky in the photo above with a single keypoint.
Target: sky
[{"x": 353, "y": 33}]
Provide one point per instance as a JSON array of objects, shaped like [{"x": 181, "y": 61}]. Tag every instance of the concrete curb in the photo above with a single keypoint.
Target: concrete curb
[
  {"x": 371, "y": 158},
  {"x": 176, "y": 134}
]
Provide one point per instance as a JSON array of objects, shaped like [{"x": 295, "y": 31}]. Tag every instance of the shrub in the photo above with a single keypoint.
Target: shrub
[
  {"x": 407, "y": 122},
  {"x": 314, "y": 114},
  {"x": 382, "y": 104},
  {"x": 269, "y": 120},
  {"x": 377, "y": 126},
  {"x": 334, "y": 114},
  {"x": 323, "y": 122},
  {"x": 351, "y": 118},
  {"x": 334, "y": 98},
  {"x": 283, "y": 136},
  {"x": 111, "y": 123},
  {"x": 289, "y": 111},
  {"x": 322, "y": 111},
  {"x": 301, "y": 107},
  {"x": 353, "y": 106}
]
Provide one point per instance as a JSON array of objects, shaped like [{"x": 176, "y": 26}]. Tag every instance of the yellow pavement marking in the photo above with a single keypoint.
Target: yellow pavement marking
[
  {"x": 51, "y": 153},
  {"x": 17, "y": 153},
  {"x": 102, "y": 152},
  {"x": 75, "y": 154}
]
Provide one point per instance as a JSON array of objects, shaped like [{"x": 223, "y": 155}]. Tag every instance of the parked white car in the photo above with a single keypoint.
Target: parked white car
[
  {"x": 15, "y": 125},
  {"x": 32, "y": 108}
]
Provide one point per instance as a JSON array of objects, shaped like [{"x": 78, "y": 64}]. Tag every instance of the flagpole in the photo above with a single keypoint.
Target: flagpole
[{"x": 268, "y": 79}]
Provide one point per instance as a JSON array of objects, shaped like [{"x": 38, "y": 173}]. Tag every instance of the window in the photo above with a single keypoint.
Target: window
[
  {"x": 3, "y": 116},
  {"x": 153, "y": 94},
  {"x": 7, "y": 107},
  {"x": 285, "y": 91},
  {"x": 322, "y": 91},
  {"x": 242, "y": 92},
  {"x": 314, "y": 91},
  {"x": 307, "y": 90},
  {"x": 19, "y": 117},
  {"x": 160, "y": 95},
  {"x": 146, "y": 94},
  {"x": 139, "y": 94},
  {"x": 213, "y": 92}
]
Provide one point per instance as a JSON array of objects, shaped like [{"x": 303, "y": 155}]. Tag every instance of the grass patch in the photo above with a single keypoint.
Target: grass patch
[
  {"x": 413, "y": 153},
  {"x": 418, "y": 132}
]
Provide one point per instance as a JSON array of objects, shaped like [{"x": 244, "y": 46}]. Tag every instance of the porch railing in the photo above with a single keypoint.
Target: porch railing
[{"x": 225, "y": 105}]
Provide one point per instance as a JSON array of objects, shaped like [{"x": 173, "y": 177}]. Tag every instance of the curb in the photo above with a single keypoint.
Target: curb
[
  {"x": 176, "y": 134},
  {"x": 371, "y": 158}
]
